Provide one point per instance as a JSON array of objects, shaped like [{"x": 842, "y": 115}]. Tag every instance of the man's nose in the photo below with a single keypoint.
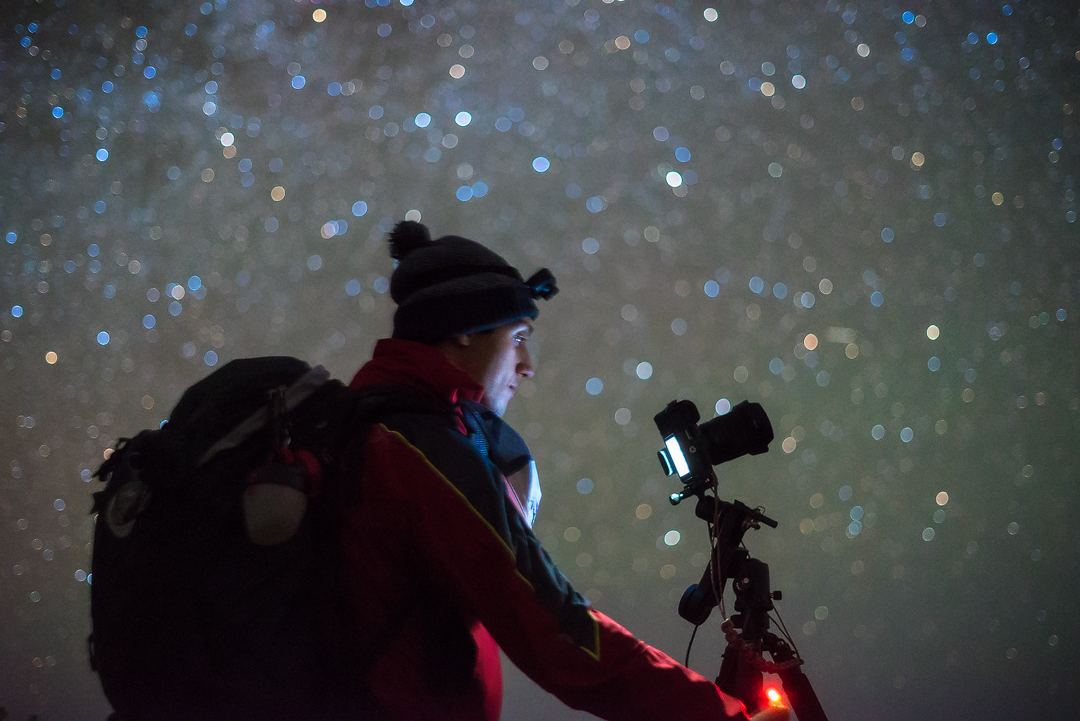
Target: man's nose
[{"x": 525, "y": 366}]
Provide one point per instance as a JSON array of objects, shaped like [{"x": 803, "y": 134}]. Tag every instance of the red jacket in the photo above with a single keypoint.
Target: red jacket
[{"x": 441, "y": 570}]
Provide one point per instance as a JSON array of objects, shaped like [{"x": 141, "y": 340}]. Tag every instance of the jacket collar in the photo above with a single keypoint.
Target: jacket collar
[{"x": 420, "y": 367}]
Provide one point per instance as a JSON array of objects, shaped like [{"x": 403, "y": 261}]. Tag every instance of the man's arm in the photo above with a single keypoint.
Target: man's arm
[{"x": 478, "y": 549}]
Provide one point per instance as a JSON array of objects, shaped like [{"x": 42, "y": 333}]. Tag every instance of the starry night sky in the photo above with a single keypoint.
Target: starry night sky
[{"x": 861, "y": 216}]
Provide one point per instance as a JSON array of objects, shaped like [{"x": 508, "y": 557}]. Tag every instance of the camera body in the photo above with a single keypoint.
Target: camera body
[{"x": 691, "y": 450}]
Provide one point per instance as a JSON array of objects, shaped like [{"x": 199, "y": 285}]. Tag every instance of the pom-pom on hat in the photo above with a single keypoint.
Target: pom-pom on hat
[{"x": 455, "y": 286}]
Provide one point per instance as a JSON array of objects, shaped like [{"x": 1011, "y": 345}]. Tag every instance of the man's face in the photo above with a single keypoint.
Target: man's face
[{"x": 498, "y": 360}]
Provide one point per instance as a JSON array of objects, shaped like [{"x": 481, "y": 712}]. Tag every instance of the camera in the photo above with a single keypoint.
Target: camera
[{"x": 691, "y": 450}]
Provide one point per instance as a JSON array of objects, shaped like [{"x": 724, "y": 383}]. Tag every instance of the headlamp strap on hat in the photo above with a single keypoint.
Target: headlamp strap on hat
[{"x": 541, "y": 284}]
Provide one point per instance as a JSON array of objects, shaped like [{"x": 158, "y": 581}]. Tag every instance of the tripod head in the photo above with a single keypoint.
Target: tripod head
[{"x": 728, "y": 522}]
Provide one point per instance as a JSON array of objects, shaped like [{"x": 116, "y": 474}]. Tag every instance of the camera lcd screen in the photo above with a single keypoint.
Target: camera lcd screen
[{"x": 677, "y": 457}]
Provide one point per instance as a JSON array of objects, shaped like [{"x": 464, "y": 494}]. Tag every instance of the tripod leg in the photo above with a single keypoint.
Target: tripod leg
[
  {"x": 804, "y": 702},
  {"x": 741, "y": 680},
  {"x": 729, "y": 670}
]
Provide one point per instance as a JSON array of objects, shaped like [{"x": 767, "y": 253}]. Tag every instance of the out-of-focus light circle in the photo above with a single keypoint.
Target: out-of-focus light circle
[
  {"x": 594, "y": 386},
  {"x": 622, "y": 416},
  {"x": 798, "y": 82},
  {"x": 932, "y": 332},
  {"x": 585, "y": 486},
  {"x": 776, "y": 170},
  {"x": 319, "y": 15},
  {"x": 50, "y": 358},
  {"x": 672, "y": 537},
  {"x": 674, "y": 179},
  {"x": 934, "y": 363},
  {"x": 102, "y": 154},
  {"x": 711, "y": 15},
  {"x": 590, "y": 245},
  {"x": 359, "y": 208},
  {"x": 457, "y": 71},
  {"x": 540, "y": 164},
  {"x": 227, "y": 139},
  {"x": 463, "y": 118},
  {"x": 928, "y": 534},
  {"x": 644, "y": 370},
  {"x": 942, "y": 498},
  {"x": 810, "y": 341},
  {"x": 422, "y": 120},
  {"x": 103, "y": 338},
  {"x": 712, "y": 288},
  {"x": 722, "y": 407},
  {"x": 877, "y": 432},
  {"x": 277, "y": 194},
  {"x": 906, "y": 435}
]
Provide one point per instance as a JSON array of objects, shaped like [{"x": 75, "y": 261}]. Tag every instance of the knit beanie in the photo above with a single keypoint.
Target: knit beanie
[{"x": 455, "y": 286}]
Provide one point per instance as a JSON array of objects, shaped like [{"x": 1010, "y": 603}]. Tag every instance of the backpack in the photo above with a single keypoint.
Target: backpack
[{"x": 214, "y": 562}]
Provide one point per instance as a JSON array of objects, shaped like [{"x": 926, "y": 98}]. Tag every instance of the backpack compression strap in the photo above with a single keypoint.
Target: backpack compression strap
[{"x": 296, "y": 394}]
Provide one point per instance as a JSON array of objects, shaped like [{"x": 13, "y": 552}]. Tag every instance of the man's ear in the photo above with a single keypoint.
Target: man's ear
[{"x": 461, "y": 341}]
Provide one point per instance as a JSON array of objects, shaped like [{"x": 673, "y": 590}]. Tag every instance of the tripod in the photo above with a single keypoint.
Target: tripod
[{"x": 743, "y": 665}]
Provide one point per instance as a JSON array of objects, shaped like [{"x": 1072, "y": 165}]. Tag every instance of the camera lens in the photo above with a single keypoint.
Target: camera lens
[{"x": 745, "y": 429}]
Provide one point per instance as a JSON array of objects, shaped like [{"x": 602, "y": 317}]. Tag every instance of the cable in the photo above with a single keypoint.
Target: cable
[
  {"x": 689, "y": 645},
  {"x": 787, "y": 636}
]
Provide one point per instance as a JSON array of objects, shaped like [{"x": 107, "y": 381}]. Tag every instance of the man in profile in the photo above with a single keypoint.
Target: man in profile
[{"x": 441, "y": 568}]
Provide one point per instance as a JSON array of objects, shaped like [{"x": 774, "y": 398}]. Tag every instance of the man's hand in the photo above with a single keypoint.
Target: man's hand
[{"x": 772, "y": 714}]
